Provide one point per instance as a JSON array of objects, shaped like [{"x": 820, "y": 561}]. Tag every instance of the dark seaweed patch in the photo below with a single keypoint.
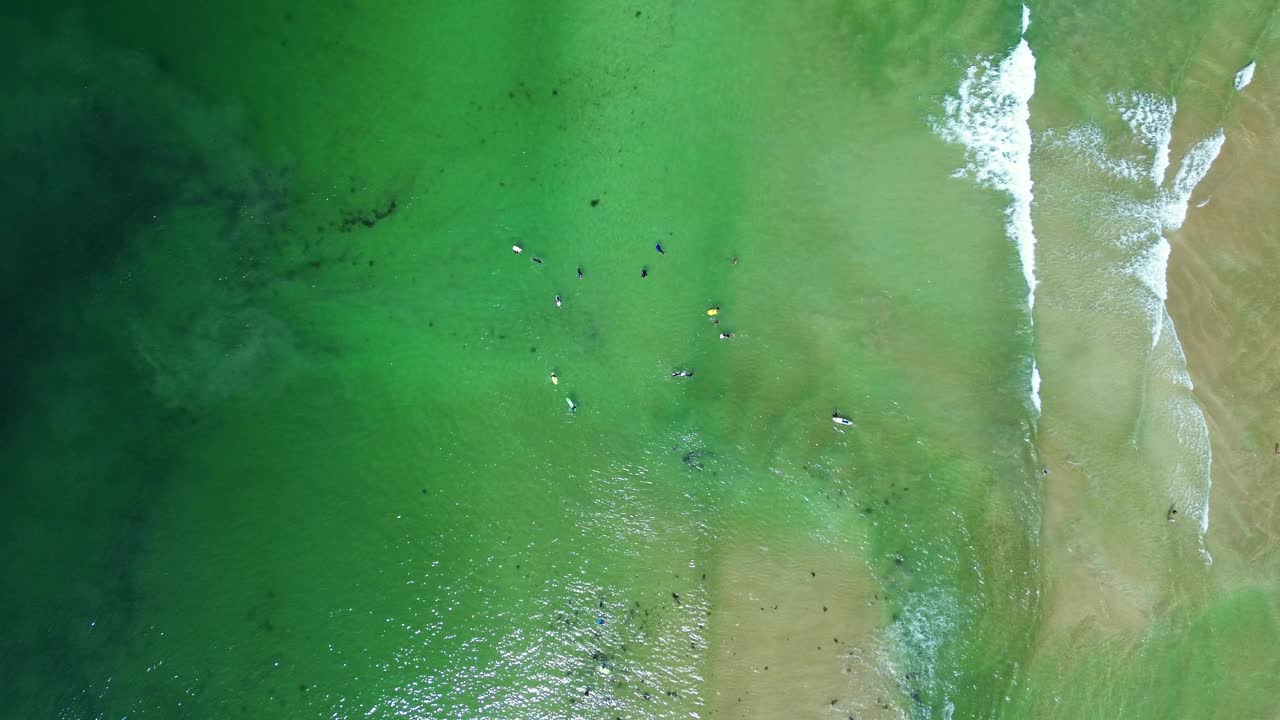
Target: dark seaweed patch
[{"x": 367, "y": 218}]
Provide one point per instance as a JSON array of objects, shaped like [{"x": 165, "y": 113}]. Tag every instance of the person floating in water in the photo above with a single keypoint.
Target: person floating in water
[
  {"x": 658, "y": 247},
  {"x": 579, "y": 273},
  {"x": 726, "y": 336},
  {"x": 558, "y": 301},
  {"x": 682, "y": 373},
  {"x": 644, "y": 272}
]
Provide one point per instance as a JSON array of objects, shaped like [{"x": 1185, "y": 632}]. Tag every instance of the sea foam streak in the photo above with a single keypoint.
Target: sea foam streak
[
  {"x": 1141, "y": 226},
  {"x": 990, "y": 116},
  {"x": 1150, "y": 118}
]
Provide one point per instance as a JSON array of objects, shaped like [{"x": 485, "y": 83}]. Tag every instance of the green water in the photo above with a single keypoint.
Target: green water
[{"x": 280, "y": 436}]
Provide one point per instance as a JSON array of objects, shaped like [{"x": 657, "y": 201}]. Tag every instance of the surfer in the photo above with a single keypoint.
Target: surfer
[
  {"x": 555, "y": 379},
  {"x": 682, "y": 373},
  {"x": 726, "y": 336},
  {"x": 558, "y": 301},
  {"x": 538, "y": 260},
  {"x": 658, "y": 247},
  {"x": 517, "y": 249},
  {"x": 579, "y": 273},
  {"x": 839, "y": 419},
  {"x": 1172, "y": 514}
]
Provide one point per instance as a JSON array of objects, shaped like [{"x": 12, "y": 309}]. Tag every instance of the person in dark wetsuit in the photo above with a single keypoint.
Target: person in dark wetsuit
[
  {"x": 644, "y": 272},
  {"x": 658, "y": 247}
]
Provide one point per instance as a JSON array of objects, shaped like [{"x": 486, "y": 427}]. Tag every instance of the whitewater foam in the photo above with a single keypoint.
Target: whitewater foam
[
  {"x": 1191, "y": 482},
  {"x": 1035, "y": 385},
  {"x": 1140, "y": 227},
  {"x": 1195, "y": 165},
  {"x": 925, "y": 623},
  {"x": 990, "y": 116},
  {"x": 1088, "y": 144},
  {"x": 1150, "y": 119},
  {"x": 1245, "y": 76}
]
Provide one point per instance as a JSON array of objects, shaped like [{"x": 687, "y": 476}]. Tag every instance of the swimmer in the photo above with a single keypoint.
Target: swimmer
[
  {"x": 555, "y": 379},
  {"x": 1172, "y": 514},
  {"x": 517, "y": 249},
  {"x": 538, "y": 260},
  {"x": 734, "y": 259},
  {"x": 839, "y": 419},
  {"x": 726, "y": 336},
  {"x": 658, "y": 247},
  {"x": 579, "y": 273},
  {"x": 644, "y": 272},
  {"x": 682, "y": 373},
  {"x": 558, "y": 301}
]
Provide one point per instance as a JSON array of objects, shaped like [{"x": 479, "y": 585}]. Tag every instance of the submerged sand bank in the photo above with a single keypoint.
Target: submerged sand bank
[{"x": 799, "y": 631}]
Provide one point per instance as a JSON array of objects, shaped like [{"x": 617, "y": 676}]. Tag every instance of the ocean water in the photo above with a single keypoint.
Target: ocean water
[{"x": 281, "y": 438}]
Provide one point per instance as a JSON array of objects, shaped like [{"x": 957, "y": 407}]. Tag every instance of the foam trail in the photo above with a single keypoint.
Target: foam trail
[
  {"x": 990, "y": 116},
  {"x": 1195, "y": 165},
  {"x": 1141, "y": 227},
  {"x": 1190, "y": 483},
  {"x": 1245, "y": 76},
  {"x": 1150, "y": 119},
  {"x": 1035, "y": 385}
]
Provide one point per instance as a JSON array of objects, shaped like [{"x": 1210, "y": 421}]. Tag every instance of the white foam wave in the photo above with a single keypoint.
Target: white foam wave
[
  {"x": 1139, "y": 226},
  {"x": 1195, "y": 165},
  {"x": 1026, "y": 19},
  {"x": 1151, "y": 269},
  {"x": 1245, "y": 76},
  {"x": 1150, "y": 119},
  {"x": 1191, "y": 481},
  {"x": 1088, "y": 144},
  {"x": 927, "y": 620},
  {"x": 990, "y": 116},
  {"x": 1035, "y": 385}
]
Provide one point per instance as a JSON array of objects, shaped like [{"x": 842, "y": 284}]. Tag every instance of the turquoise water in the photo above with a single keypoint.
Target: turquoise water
[{"x": 281, "y": 428}]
